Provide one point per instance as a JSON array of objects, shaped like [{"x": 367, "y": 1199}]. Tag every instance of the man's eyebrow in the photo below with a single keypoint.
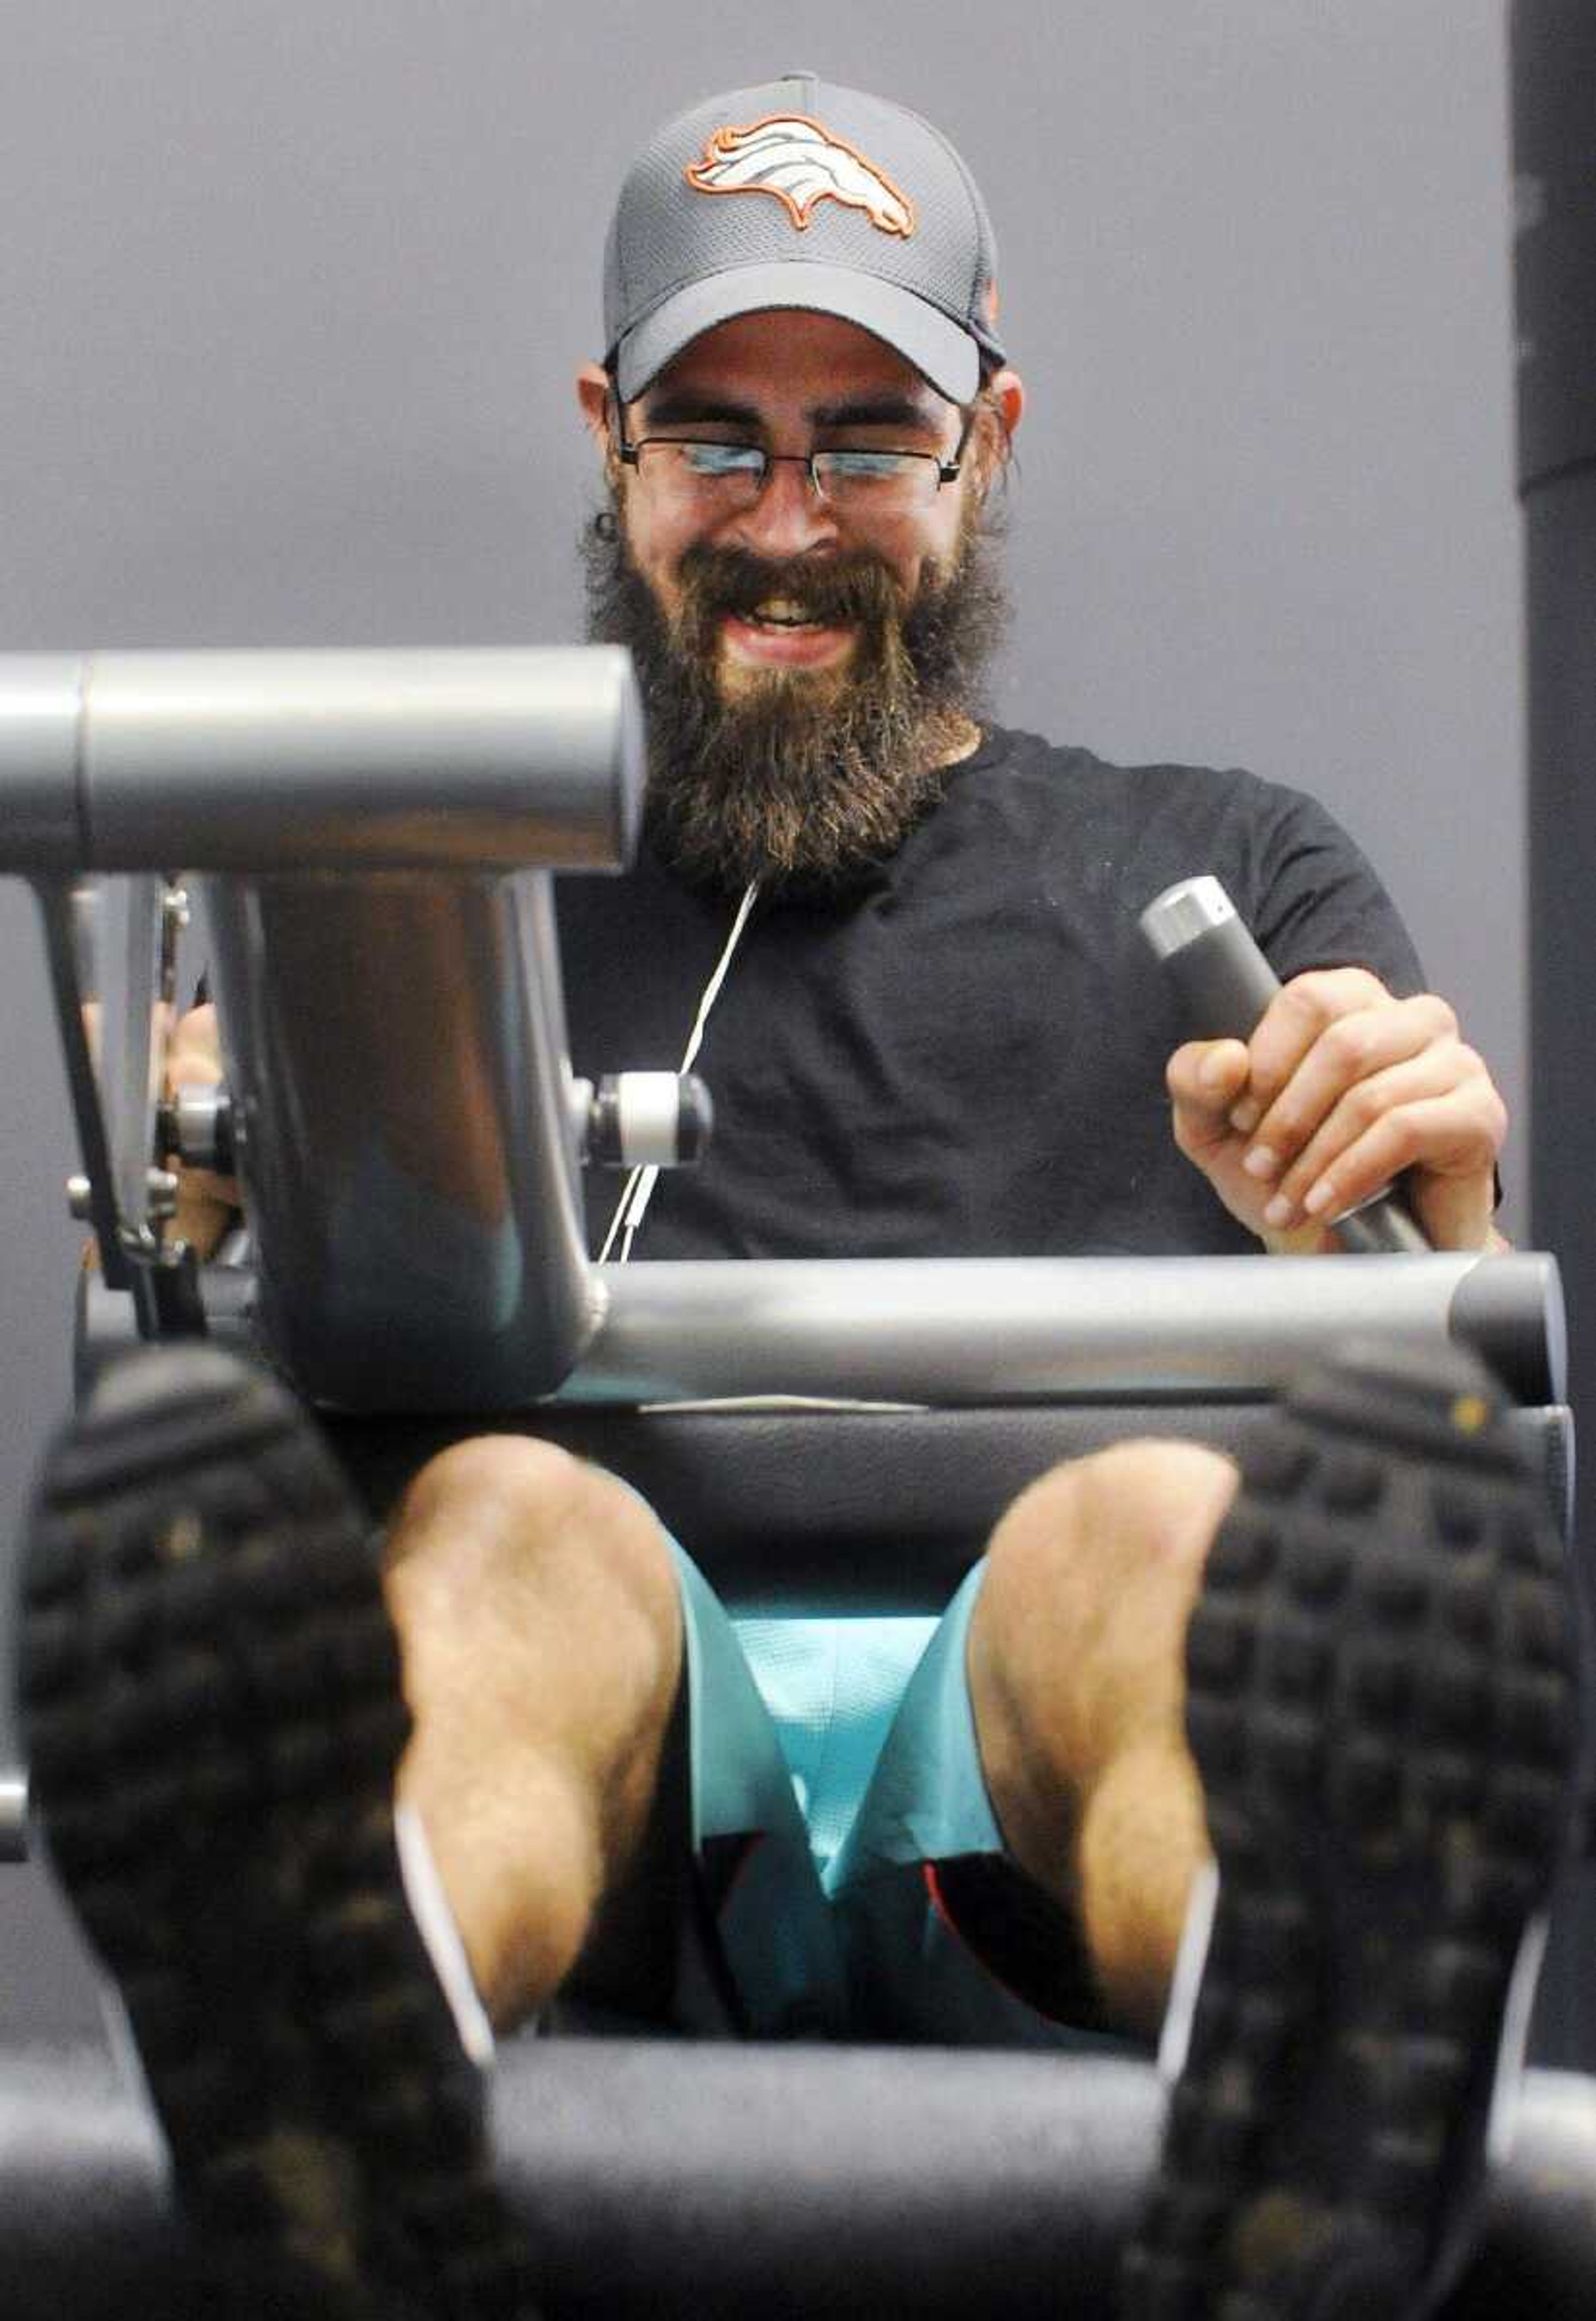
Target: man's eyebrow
[
  {"x": 696, "y": 407},
  {"x": 701, "y": 407},
  {"x": 875, "y": 411}
]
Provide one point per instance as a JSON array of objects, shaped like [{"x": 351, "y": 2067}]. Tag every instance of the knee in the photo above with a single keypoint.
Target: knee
[
  {"x": 507, "y": 1503},
  {"x": 522, "y": 1484},
  {"x": 1078, "y": 1634},
  {"x": 1138, "y": 1512}
]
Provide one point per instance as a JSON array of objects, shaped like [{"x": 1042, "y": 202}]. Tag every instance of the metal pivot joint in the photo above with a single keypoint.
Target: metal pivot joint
[
  {"x": 643, "y": 1120},
  {"x": 196, "y": 1123}
]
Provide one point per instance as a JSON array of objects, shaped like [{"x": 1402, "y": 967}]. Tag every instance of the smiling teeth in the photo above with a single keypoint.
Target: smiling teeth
[{"x": 780, "y": 612}]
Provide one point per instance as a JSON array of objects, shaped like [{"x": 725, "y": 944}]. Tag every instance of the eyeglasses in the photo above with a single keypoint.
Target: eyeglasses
[{"x": 728, "y": 477}]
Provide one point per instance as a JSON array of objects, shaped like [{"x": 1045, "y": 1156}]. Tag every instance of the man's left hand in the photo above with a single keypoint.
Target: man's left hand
[{"x": 1341, "y": 1088}]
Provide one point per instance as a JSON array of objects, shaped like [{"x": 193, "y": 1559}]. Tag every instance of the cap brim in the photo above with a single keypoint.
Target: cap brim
[{"x": 941, "y": 350}]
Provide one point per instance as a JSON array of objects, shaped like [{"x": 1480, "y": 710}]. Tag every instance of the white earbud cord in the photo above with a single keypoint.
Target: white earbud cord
[{"x": 639, "y": 1189}]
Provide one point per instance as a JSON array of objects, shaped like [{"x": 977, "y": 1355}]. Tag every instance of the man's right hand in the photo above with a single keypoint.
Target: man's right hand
[
  {"x": 207, "y": 1205},
  {"x": 1341, "y": 1088}
]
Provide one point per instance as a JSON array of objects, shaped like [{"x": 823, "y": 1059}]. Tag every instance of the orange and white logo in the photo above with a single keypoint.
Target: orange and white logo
[{"x": 803, "y": 165}]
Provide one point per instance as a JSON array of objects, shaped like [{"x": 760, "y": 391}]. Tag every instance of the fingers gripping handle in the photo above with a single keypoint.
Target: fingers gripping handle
[{"x": 1225, "y": 983}]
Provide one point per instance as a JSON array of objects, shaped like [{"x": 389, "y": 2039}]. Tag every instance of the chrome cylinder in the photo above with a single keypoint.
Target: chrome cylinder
[
  {"x": 298, "y": 760},
  {"x": 395, "y": 1052},
  {"x": 1002, "y": 1330}
]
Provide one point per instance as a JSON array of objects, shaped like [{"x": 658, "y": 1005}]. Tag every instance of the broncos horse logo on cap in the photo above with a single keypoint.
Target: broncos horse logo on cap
[{"x": 803, "y": 164}]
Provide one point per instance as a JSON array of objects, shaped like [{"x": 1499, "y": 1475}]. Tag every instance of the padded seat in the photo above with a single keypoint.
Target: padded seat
[{"x": 848, "y": 1509}]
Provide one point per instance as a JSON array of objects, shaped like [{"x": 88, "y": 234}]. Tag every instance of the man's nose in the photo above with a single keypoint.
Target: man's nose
[{"x": 789, "y": 517}]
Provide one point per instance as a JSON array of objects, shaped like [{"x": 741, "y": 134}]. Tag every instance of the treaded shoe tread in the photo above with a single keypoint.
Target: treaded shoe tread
[
  {"x": 1381, "y": 1704},
  {"x": 210, "y": 1688}
]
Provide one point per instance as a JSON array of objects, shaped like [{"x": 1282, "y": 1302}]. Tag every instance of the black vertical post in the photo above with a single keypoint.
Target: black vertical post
[{"x": 1553, "y": 53}]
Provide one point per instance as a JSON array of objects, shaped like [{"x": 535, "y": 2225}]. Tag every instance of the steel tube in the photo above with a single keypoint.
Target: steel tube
[
  {"x": 300, "y": 760},
  {"x": 956, "y": 1332},
  {"x": 395, "y": 1053},
  {"x": 975, "y": 1329}
]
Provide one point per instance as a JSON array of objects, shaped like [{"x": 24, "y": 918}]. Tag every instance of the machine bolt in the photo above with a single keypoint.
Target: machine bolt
[{"x": 160, "y": 1193}]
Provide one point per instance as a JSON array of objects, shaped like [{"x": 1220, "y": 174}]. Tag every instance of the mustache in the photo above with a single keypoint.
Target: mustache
[{"x": 854, "y": 590}]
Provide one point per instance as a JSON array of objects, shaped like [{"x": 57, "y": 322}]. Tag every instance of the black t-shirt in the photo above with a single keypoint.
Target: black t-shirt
[{"x": 966, "y": 1056}]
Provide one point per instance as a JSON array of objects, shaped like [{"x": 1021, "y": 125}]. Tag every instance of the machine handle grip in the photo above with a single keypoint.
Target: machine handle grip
[{"x": 1225, "y": 983}]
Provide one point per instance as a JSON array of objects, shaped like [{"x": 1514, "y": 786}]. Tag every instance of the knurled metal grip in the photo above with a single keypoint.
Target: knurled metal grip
[{"x": 456, "y": 758}]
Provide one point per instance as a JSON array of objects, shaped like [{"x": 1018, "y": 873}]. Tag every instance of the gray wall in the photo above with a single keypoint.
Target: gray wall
[{"x": 290, "y": 295}]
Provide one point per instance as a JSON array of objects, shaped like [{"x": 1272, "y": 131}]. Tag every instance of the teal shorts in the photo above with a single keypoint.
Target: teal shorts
[{"x": 851, "y": 1876}]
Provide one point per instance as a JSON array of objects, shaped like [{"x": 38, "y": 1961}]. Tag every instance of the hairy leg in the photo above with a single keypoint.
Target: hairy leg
[
  {"x": 539, "y": 1626},
  {"x": 1077, "y": 1680}
]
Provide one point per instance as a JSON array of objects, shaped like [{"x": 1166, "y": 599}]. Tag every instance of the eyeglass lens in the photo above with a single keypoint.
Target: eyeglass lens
[{"x": 734, "y": 473}]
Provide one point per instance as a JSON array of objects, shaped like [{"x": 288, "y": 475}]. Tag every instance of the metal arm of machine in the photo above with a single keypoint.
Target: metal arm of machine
[{"x": 364, "y": 822}]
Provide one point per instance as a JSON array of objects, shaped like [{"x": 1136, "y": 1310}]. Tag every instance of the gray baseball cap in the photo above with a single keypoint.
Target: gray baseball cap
[{"x": 801, "y": 195}]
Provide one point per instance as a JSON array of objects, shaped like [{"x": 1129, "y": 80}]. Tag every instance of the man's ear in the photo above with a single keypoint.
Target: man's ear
[
  {"x": 593, "y": 393},
  {"x": 1005, "y": 390},
  {"x": 1003, "y": 402}
]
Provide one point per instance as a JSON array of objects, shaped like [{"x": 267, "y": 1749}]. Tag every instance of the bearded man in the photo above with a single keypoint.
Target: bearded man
[{"x": 908, "y": 940}]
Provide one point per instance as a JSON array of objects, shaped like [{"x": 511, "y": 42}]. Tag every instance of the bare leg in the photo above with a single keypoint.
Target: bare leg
[
  {"x": 1076, "y": 1674},
  {"x": 540, "y": 1631}
]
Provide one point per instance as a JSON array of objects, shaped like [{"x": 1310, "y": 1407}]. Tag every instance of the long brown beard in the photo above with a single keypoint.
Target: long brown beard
[{"x": 800, "y": 779}]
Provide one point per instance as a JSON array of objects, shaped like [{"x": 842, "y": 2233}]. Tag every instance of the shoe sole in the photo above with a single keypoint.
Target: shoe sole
[
  {"x": 213, "y": 1714},
  {"x": 1381, "y": 1700}
]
